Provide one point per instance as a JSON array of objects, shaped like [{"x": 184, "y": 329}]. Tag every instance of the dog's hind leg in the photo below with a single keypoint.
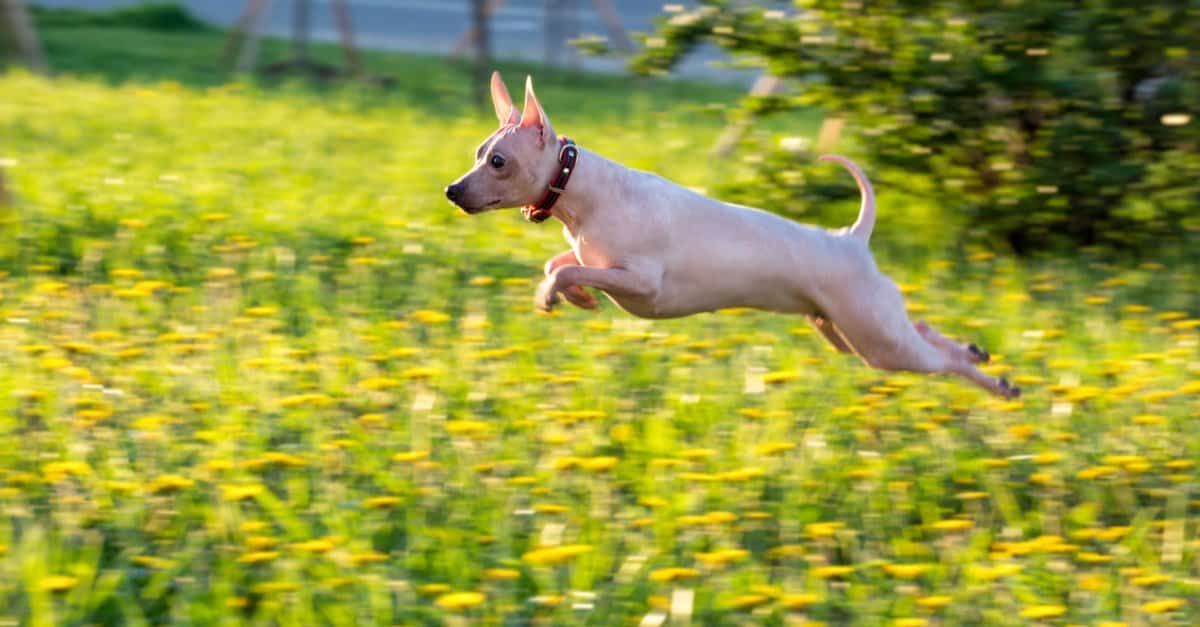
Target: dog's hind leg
[
  {"x": 873, "y": 321},
  {"x": 970, "y": 352}
]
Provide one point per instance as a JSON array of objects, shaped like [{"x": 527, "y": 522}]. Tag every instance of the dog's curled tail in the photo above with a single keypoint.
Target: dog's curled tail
[{"x": 866, "y": 213}]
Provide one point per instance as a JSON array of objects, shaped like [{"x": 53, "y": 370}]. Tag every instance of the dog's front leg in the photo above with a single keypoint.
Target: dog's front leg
[
  {"x": 575, "y": 294},
  {"x": 614, "y": 281}
]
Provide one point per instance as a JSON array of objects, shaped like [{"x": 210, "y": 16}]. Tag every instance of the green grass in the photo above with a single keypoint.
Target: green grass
[{"x": 253, "y": 368}]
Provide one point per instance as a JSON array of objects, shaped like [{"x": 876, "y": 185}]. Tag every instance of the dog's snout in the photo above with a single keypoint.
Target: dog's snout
[{"x": 454, "y": 191}]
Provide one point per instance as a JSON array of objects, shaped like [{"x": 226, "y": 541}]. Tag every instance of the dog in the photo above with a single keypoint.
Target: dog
[{"x": 659, "y": 250}]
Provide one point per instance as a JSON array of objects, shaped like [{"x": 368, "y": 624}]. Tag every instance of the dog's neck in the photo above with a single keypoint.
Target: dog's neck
[{"x": 593, "y": 176}]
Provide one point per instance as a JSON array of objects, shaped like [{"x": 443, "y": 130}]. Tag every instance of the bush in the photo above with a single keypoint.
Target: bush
[
  {"x": 149, "y": 16},
  {"x": 1051, "y": 122}
]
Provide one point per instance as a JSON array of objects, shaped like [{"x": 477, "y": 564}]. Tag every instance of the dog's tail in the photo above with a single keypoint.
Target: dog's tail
[{"x": 866, "y": 213}]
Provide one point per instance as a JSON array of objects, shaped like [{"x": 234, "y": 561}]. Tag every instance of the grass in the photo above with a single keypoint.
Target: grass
[{"x": 255, "y": 369}]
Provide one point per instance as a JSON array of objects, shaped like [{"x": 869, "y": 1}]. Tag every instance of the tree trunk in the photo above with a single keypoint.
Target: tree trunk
[
  {"x": 300, "y": 18},
  {"x": 479, "y": 26}
]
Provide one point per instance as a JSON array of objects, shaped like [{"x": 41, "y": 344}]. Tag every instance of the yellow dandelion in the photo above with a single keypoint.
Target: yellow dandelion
[
  {"x": 241, "y": 492},
  {"x": 1145, "y": 581},
  {"x": 58, "y": 583},
  {"x": 662, "y": 575},
  {"x": 1043, "y": 611},
  {"x": 1163, "y": 606},
  {"x": 906, "y": 571},
  {"x": 368, "y": 557},
  {"x": 410, "y": 456},
  {"x": 953, "y": 524},
  {"x": 318, "y": 546},
  {"x": 427, "y": 316},
  {"x": 910, "y": 622},
  {"x": 774, "y": 448},
  {"x": 258, "y": 557},
  {"x": 549, "y": 556},
  {"x": 460, "y": 600},
  {"x": 799, "y": 600},
  {"x": 433, "y": 589},
  {"x": 832, "y": 572},
  {"x": 169, "y": 483},
  {"x": 501, "y": 574},
  {"x": 720, "y": 557},
  {"x": 934, "y": 602},
  {"x": 746, "y": 601},
  {"x": 382, "y": 502}
]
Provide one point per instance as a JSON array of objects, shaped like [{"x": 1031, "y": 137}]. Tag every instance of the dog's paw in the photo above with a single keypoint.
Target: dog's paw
[
  {"x": 1008, "y": 390},
  {"x": 546, "y": 296},
  {"x": 978, "y": 355}
]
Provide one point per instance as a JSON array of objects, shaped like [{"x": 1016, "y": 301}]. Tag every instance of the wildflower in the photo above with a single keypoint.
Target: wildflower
[
  {"x": 953, "y": 524},
  {"x": 1043, "y": 611},
  {"x": 772, "y": 448},
  {"x": 58, "y": 583},
  {"x": 832, "y": 572},
  {"x": 1163, "y": 606},
  {"x": 1145, "y": 581},
  {"x": 799, "y": 600},
  {"x": 258, "y": 557},
  {"x": 433, "y": 589},
  {"x": 720, "y": 557},
  {"x": 934, "y": 602},
  {"x": 910, "y": 622},
  {"x": 367, "y": 557},
  {"x": 906, "y": 571},
  {"x": 410, "y": 456},
  {"x": 746, "y": 601},
  {"x": 460, "y": 600},
  {"x": 673, "y": 574},
  {"x": 241, "y": 492},
  {"x": 170, "y": 483},
  {"x": 555, "y": 555},
  {"x": 320, "y": 545},
  {"x": 501, "y": 574},
  {"x": 427, "y": 316},
  {"x": 382, "y": 502}
]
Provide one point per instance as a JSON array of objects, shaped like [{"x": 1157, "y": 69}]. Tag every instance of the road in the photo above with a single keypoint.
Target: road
[{"x": 434, "y": 26}]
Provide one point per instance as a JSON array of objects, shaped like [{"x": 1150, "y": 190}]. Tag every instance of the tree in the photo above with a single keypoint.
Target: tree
[{"x": 1050, "y": 121}]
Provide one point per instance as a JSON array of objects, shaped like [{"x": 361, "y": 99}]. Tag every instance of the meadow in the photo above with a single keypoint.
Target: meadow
[{"x": 256, "y": 369}]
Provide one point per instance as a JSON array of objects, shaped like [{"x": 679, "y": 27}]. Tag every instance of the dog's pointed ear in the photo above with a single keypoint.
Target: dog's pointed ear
[
  {"x": 534, "y": 116},
  {"x": 506, "y": 112}
]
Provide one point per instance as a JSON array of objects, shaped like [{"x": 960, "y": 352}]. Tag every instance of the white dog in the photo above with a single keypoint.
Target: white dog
[{"x": 659, "y": 250}]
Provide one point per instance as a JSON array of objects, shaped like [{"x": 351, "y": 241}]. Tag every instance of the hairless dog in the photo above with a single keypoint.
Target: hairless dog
[{"x": 659, "y": 250}]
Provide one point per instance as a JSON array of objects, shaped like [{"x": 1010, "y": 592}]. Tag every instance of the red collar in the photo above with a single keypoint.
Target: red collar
[{"x": 539, "y": 211}]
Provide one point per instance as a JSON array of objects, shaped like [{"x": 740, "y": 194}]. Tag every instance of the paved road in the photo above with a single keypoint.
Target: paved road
[{"x": 435, "y": 25}]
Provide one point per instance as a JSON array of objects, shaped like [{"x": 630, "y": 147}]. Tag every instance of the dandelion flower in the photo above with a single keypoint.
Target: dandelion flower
[
  {"x": 1163, "y": 606},
  {"x": 1043, "y": 611},
  {"x": 58, "y": 583},
  {"x": 460, "y": 600},
  {"x": 549, "y": 556},
  {"x": 662, "y": 575}
]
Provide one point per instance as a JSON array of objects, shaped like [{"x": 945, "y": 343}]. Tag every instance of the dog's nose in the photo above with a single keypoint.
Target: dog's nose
[{"x": 453, "y": 191}]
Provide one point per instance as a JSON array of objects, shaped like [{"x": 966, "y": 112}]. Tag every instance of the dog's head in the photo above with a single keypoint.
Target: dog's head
[{"x": 515, "y": 163}]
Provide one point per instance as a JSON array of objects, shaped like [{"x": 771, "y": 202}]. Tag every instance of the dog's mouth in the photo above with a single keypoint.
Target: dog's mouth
[{"x": 480, "y": 209}]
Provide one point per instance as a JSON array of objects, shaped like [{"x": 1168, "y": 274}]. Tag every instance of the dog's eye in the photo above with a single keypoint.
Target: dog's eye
[{"x": 497, "y": 161}]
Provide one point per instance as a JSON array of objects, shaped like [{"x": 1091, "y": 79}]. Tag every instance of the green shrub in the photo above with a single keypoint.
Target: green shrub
[
  {"x": 1050, "y": 122},
  {"x": 150, "y": 16}
]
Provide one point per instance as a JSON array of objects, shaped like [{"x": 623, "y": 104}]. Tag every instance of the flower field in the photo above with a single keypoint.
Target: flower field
[{"x": 254, "y": 368}]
